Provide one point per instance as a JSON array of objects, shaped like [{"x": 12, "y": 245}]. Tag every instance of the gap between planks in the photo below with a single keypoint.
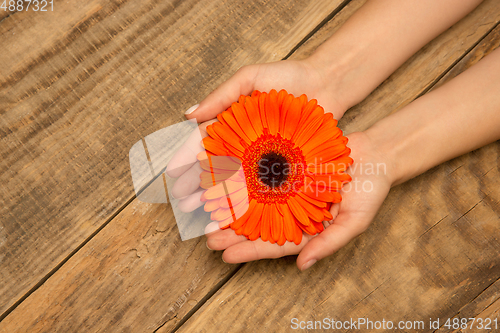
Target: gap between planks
[
  {"x": 121, "y": 208},
  {"x": 426, "y": 90}
]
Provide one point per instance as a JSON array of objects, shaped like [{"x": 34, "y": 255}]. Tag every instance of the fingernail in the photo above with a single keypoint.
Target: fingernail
[
  {"x": 308, "y": 264},
  {"x": 208, "y": 247},
  {"x": 191, "y": 109},
  {"x": 211, "y": 228},
  {"x": 223, "y": 260}
]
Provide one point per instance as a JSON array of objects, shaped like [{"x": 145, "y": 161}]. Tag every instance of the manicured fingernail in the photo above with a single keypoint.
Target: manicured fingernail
[
  {"x": 191, "y": 109},
  {"x": 308, "y": 264},
  {"x": 208, "y": 247},
  {"x": 211, "y": 228}
]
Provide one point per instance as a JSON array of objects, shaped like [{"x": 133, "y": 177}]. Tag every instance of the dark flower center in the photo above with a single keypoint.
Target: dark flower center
[{"x": 273, "y": 169}]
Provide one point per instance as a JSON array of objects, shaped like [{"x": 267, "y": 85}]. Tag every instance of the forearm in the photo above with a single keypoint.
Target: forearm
[
  {"x": 456, "y": 118},
  {"x": 380, "y": 37}
]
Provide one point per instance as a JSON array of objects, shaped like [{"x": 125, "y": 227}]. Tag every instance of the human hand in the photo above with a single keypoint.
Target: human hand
[
  {"x": 361, "y": 200},
  {"x": 296, "y": 77}
]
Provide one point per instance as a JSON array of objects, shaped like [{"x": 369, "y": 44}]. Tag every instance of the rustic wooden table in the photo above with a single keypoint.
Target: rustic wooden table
[{"x": 81, "y": 83}]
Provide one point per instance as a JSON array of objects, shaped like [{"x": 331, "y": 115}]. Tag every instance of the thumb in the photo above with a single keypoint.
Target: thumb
[
  {"x": 333, "y": 238},
  {"x": 241, "y": 83}
]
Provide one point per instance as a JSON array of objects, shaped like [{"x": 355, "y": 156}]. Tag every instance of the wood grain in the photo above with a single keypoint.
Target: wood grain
[
  {"x": 485, "y": 305},
  {"x": 432, "y": 248},
  {"x": 417, "y": 74},
  {"x": 78, "y": 87}
]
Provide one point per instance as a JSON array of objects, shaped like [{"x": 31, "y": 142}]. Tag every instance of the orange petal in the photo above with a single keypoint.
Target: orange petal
[
  {"x": 276, "y": 224},
  {"x": 235, "y": 126},
  {"x": 281, "y": 239},
  {"x": 265, "y": 223},
  {"x": 218, "y": 191},
  {"x": 228, "y": 135},
  {"x": 235, "y": 198},
  {"x": 211, "y": 205},
  {"x": 211, "y": 132},
  {"x": 287, "y": 102},
  {"x": 256, "y": 232},
  {"x": 327, "y": 215},
  {"x": 242, "y": 117},
  {"x": 254, "y": 218},
  {"x": 292, "y": 118},
  {"x": 272, "y": 112},
  {"x": 327, "y": 155},
  {"x": 252, "y": 109},
  {"x": 281, "y": 97},
  {"x": 255, "y": 93},
  {"x": 309, "y": 127},
  {"x": 262, "y": 109},
  {"x": 320, "y": 194},
  {"x": 315, "y": 202},
  {"x": 314, "y": 213},
  {"x": 214, "y": 146},
  {"x": 237, "y": 211},
  {"x": 338, "y": 165},
  {"x": 306, "y": 112},
  {"x": 243, "y": 219},
  {"x": 288, "y": 222},
  {"x": 298, "y": 211}
]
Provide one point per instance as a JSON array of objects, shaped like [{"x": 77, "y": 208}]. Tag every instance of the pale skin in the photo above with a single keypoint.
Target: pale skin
[{"x": 458, "y": 117}]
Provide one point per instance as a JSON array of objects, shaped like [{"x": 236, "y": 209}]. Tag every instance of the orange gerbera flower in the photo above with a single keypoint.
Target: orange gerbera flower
[{"x": 286, "y": 162}]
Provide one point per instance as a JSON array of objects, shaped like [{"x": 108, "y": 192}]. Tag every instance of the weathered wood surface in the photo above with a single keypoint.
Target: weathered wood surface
[
  {"x": 419, "y": 73},
  {"x": 78, "y": 87},
  {"x": 136, "y": 275},
  {"x": 432, "y": 249}
]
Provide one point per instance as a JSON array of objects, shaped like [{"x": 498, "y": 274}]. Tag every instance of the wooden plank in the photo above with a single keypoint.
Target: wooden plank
[
  {"x": 432, "y": 248},
  {"x": 485, "y": 305},
  {"x": 135, "y": 276},
  {"x": 418, "y": 73},
  {"x": 73, "y": 103}
]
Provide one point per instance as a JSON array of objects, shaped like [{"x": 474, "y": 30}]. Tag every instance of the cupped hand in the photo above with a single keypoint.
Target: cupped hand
[
  {"x": 371, "y": 182},
  {"x": 297, "y": 77}
]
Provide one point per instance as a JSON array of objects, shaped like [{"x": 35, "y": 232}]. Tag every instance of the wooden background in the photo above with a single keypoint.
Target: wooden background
[{"x": 78, "y": 253}]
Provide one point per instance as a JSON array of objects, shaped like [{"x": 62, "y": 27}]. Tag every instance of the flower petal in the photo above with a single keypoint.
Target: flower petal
[
  {"x": 276, "y": 224},
  {"x": 265, "y": 223},
  {"x": 235, "y": 126},
  {"x": 254, "y": 218},
  {"x": 252, "y": 109},
  {"x": 309, "y": 127},
  {"x": 241, "y": 116},
  {"x": 262, "y": 109},
  {"x": 315, "y": 202},
  {"x": 272, "y": 112},
  {"x": 214, "y": 146},
  {"x": 298, "y": 211},
  {"x": 315, "y": 213},
  {"x": 292, "y": 118},
  {"x": 285, "y": 107}
]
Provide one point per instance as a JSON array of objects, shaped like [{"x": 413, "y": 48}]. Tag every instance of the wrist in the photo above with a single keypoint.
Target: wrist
[
  {"x": 388, "y": 146},
  {"x": 334, "y": 67}
]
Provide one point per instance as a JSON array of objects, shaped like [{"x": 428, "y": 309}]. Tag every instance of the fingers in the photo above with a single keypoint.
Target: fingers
[
  {"x": 191, "y": 202},
  {"x": 188, "y": 182},
  {"x": 185, "y": 157},
  {"x": 222, "y": 239},
  {"x": 336, "y": 236},
  {"x": 241, "y": 83},
  {"x": 239, "y": 249},
  {"x": 254, "y": 250}
]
